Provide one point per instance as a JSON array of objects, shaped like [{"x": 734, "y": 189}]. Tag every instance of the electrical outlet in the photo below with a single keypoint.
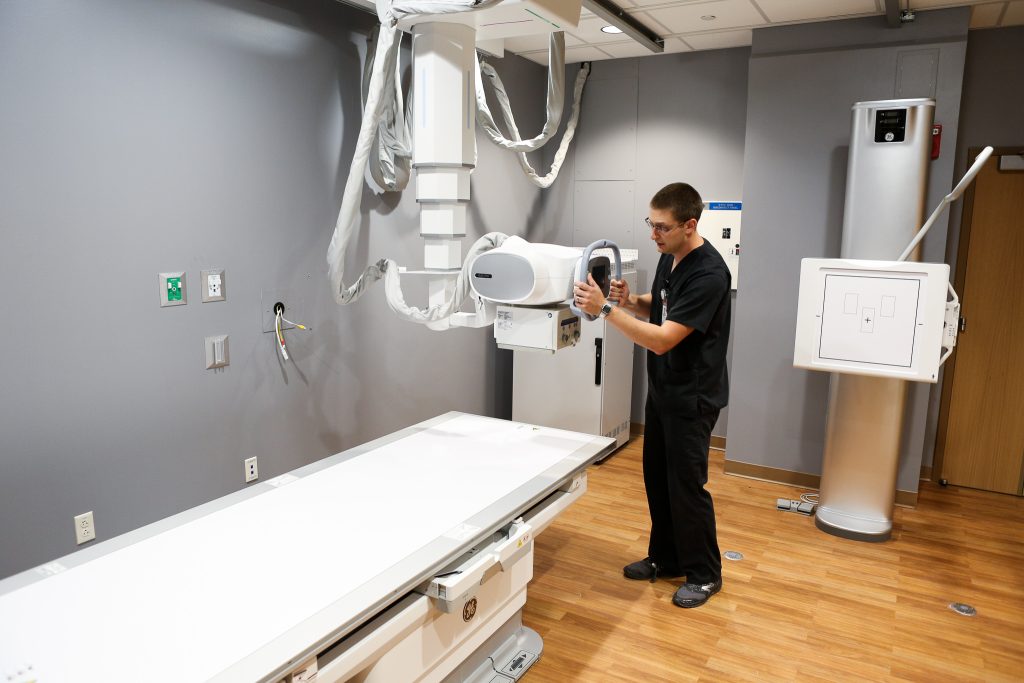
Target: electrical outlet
[
  {"x": 213, "y": 285},
  {"x": 252, "y": 472},
  {"x": 84, "y": 528}
]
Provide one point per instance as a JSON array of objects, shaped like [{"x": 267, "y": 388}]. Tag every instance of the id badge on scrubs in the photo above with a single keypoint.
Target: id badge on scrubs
[{"x": 664, "y": 305}]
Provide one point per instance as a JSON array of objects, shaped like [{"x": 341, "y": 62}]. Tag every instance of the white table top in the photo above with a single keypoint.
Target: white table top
[{"x": 239, "y": 588}]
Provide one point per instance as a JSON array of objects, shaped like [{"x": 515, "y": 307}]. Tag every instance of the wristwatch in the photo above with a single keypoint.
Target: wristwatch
[{"x": 605, "y": 310}]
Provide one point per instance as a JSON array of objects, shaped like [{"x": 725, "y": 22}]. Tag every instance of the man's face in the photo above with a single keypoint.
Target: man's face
[{"x": 668, "y": 233}]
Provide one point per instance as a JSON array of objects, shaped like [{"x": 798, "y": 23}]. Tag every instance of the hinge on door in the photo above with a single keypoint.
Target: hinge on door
[{"x": 963, "y": 324}]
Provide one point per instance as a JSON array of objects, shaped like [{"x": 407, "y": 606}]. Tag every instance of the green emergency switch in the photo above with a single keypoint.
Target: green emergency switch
[{"x": 174, "y": 289}]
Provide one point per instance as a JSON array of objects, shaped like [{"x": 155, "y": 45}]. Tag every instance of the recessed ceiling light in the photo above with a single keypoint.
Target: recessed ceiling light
[
  {"x": 709, "y": 17},
  {"x": 611, "y": 29}
]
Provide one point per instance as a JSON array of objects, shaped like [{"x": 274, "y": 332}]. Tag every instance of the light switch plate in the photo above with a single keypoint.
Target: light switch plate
[
  {"x": 212, "y": 285},
  {"x": 217, "y": 352},
  {"x": 173, "y": 291}
]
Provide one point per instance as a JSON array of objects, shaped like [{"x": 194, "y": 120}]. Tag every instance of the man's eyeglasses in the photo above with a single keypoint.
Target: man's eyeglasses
[{"x": 660, "y": 228}]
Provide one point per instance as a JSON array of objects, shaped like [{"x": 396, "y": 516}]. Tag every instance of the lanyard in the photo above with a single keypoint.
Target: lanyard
[{"x": 664, "y": 305}]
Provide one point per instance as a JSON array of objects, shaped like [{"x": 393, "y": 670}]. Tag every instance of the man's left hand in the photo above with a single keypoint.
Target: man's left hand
[{"x": 589, "y": 297}]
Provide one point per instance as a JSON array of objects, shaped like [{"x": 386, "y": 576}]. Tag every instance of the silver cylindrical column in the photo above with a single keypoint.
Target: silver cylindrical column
[{"x": 886, "y": 183}]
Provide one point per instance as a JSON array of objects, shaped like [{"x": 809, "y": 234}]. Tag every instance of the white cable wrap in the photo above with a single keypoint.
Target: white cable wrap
[
  {"x": 351, "y": 199},
  {"x": 390, "y": 169},
  {"x": 384, "y": 127},
  {"x": 555, "y": 100},
  {"x": 436, "y": 317},
  {"x": 506, "y": 111}
]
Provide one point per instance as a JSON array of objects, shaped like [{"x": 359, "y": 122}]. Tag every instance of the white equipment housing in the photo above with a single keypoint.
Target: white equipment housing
[
  {"x": 875, "y": 318},
  {"x": 597, "y": 372},
  {"x": 535, "y": 281},
  {"x": 549, "y": 328},
  {"x": 886, "y": 181},
  {"x": 405, "y": 559},
  {"x": 525, "y": 273}
]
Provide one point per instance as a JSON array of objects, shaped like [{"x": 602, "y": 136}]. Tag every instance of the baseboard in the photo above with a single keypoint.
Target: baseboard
[
  {"x": 717, "y": 442},
  {"x": 801, "y": 479},
  {"x": 772, "y": 474},
  {"x": 926, "y": 472}
]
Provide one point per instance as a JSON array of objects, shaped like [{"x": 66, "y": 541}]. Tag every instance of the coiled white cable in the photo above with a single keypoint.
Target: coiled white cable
[{"x": 383, "y": 76}]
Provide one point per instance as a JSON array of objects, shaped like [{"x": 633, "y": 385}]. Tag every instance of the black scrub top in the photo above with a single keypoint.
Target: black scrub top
[{"x": 691, "y": 379}]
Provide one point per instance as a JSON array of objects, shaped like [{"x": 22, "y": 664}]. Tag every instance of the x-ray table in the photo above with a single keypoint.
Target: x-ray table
[{"x": 403, "y": 559}]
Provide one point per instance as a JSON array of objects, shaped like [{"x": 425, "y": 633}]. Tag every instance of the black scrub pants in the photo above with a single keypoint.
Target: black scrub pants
[{"x": 683, "y": 534}]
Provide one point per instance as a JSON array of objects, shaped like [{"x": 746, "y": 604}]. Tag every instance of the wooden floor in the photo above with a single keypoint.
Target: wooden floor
[{"x": 800, "y": 605}]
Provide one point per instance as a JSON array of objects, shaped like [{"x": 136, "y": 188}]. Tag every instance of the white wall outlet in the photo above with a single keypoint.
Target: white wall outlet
[
  {"x": 213, "y": 285},
  {"x": 84, "y": 528},
  {"x": 252, "y": 472}
]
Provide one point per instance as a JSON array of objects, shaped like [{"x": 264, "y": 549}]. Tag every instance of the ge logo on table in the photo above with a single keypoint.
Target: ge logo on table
[{"x": 469, "y": 610}]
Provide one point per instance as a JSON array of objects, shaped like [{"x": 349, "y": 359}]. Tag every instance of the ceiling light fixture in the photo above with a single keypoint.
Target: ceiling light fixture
[{"x": 611, "y": 29}]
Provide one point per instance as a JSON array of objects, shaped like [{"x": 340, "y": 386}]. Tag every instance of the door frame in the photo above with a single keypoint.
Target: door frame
[{"x": 962, "y": 250}]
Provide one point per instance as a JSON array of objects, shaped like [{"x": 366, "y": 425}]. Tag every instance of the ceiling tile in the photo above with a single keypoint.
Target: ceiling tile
[
  {"x": 727, "y": 14},
  {"x": 1014, "y": 14},
  {"x": 652, "y": 3},
  {"x": 718, "y": 41},
  {"x": 536, "y": 42},
  {"x": 673, "y": 45},
  {"x": 986, "y": 16},
  {"x": 814, "y": 10},
  {"x": 585, "y": 53},
  {"x": 537, "y": 57},
  {"x": 590, "y": 32},
  {"x": 627, "y": 49}
]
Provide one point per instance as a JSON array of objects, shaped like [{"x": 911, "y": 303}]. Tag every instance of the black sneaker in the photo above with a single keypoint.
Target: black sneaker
[
  {"x": 695, "y": 594},
  {"x": 647, "y": 570}
]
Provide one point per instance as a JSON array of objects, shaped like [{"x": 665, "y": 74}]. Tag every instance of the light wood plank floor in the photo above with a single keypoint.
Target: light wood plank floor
[{"x": 801, "y": 605}]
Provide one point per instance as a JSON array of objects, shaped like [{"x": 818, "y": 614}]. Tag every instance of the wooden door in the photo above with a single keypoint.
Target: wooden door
[{"x": 984, "y": 437}]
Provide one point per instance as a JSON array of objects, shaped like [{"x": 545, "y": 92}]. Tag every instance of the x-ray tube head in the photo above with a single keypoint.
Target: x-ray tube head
[{"x": 527, "y": 274}]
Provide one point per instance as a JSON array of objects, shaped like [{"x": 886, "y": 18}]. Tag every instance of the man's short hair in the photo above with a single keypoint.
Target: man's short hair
[{"x": 680, "y": 199}]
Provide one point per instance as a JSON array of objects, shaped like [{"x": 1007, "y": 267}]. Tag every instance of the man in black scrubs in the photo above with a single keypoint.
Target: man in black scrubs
[{"x": 688, "y": 385}]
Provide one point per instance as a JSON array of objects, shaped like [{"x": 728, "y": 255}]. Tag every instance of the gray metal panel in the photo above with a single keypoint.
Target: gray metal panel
[
  {"x": 605, "y": 210},
  {"x": 607, "y": 131},
  {"x": 917, "y": 73}
]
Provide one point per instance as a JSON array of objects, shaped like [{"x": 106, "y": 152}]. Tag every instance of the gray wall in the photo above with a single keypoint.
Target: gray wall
[
  {"x": 647, "y": 122},
  {"x": 803, "y": 80},
  {"x": 145, "y": 136},
  {"x": 992, "y": 109}
]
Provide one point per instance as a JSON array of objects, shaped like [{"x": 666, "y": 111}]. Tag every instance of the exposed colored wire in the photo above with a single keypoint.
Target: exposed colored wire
[
  {"x": 280, "y": 337},
  {"x": 298, "y": 325}
]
